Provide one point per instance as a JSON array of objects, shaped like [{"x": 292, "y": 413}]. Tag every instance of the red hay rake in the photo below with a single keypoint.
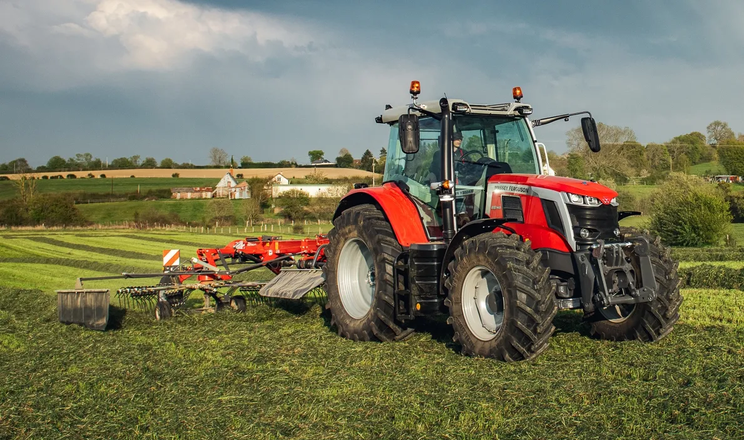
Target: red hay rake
[{"x": 296, "y": 264}]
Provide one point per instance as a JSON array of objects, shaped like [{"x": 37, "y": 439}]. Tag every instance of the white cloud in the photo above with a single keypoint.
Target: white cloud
[{"x": 151, "y": 34}]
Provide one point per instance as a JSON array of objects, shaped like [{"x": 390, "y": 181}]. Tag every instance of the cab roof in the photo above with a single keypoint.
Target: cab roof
[{"x": 391, "y": 115}]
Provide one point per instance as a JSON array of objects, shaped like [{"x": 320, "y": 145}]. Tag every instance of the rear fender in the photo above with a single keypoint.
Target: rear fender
[{"x": 397, "y": 207}]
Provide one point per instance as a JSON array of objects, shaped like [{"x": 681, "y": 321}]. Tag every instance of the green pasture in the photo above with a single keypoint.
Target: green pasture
[
  {"x": 106, "y": 186},
  {"x": 280, "y": 371},
  {"x": 708, "y": 169}
]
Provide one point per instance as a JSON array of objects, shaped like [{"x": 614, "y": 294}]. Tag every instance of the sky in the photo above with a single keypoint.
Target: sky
[{"x": 273, "y": 80}]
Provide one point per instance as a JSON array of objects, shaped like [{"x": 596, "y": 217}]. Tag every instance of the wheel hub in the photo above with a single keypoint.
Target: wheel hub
[
  {"x": 483, "y": 303},
  {"x": 356, "y": 278}
]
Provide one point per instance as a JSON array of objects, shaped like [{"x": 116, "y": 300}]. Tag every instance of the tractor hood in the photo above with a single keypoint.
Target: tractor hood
[{"x": 562, "y": 184}]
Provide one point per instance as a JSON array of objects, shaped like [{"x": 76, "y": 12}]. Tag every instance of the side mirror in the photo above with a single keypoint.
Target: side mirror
[
  {"x": 589, "y": 127},
  {"x": 408, "y": 133}
]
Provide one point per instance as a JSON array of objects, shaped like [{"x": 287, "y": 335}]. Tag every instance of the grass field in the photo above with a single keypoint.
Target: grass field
[
  {"x": 708, "y": 169},
  {"x": 281, "y": 372}
]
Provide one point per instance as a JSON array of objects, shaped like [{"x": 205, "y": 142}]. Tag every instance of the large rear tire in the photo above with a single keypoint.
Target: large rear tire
[
  {"x": 649, "y": 321},
  {"x": 359, "y": 276},
  {"x": 500, "y": 298}
]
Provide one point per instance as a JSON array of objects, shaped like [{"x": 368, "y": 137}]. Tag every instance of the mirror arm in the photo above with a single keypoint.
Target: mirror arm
[
  {"x": 546, "y": 121},
  {"x": 437, "y": 116}
]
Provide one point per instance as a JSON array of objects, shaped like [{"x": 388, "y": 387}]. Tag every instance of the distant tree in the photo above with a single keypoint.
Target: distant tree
[
  {"x": 19, "y": 165},
  {"x": 245, "y": 161},
  {"x": 293, "y": 203},
  {"x": 252, "y": 211},
  {"x": 222, "y": 211},
  {"x": 383, "y": 152},
  {"x": 55, "y": 210},
  {"x": 344, "y": 152},
  {"x": 380, "y": 167},
  {"x": 658, "y": 158},
  {"x": 218, "y": 157},
  {"x": 121, "y": 163},
  {"x": 315, "y": 155},
  {"x": 135, "y": 161},
  {"x": 345, "y": 161},
  {"x": 95, "y": 164},
  {"x": 575, "y": 166},
  {"x": 558, "y": 163},
  {"x": 260, "y": 189},
  {"x": 694, "y": 146},
  {"x": 366, "y": 161},
  {"x": 167, "y": 163},
  {"x": 26, "y": 187},
  {"x": 732, "y": 158},
  {"x": 611, "y": 161},
  {"x": 149, "y": 162},
  {"x": 323, "y": 207},
  {"x": 719, "y": 131},
  {"x": 56, "y": 163},
  {"x": 83, "y": 160}
]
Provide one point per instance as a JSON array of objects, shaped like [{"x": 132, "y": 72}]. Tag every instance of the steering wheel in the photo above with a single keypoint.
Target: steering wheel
[{"x": 473, "y": 156}]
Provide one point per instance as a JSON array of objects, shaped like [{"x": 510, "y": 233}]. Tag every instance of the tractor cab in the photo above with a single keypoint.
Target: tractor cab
[{"x": 486, "y": 140}]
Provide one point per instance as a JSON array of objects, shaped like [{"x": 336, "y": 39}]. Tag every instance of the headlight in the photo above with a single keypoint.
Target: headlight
[
  {"x": 614, "y": 202},
  {"x": 576, "y": 199}
]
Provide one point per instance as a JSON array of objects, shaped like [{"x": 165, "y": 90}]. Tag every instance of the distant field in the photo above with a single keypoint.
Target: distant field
[
  {"x": 214, "y": 173},
  {"x": 106, "y": 186},
  {"x": 708, "y": 168}
]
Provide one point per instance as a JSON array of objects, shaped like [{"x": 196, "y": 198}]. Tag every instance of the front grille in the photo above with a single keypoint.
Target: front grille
[{"x": 601, "y": 221}]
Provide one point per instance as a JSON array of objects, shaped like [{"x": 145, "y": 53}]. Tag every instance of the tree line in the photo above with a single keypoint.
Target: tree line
[
  {"x": 367, "y": 162},
  {"x": 623, "y": 158}
]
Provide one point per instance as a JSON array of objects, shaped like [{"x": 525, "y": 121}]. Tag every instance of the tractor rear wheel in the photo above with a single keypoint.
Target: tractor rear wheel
[
  {"x": 649, "y": 321},
  {"x": 359, "y": 276},
  {"x": 500, "y": 298}
]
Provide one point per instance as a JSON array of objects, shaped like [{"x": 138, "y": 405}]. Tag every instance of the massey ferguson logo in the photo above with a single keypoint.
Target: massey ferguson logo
[{"x": 606, "y": 201}]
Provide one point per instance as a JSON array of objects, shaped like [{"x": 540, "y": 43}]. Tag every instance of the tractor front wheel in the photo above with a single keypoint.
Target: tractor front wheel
[
  {"x": 500, "y": 298},
  {"x": 649, "y": 321},
  {"x": 359, "y": 276}
]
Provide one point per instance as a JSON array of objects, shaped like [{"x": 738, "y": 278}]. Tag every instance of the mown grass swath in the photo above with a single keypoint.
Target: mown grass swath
[{"x": 280, "y": 371}]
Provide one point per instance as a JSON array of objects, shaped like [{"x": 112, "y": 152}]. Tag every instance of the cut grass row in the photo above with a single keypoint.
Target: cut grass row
[
  {"x": 283, "y": 373},
  {"x": 279, "y": 372},
  {"x": 116, "y": 251}
]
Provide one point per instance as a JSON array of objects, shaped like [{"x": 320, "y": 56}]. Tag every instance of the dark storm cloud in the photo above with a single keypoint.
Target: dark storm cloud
[{"x": 273, "y": 80}]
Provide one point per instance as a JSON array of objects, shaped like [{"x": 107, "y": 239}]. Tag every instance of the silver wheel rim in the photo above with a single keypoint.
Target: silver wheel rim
[
  {"x": 482, "y": 303},
  {"x": 356, "y": 278},
  {"x": 618, "y": 313}
]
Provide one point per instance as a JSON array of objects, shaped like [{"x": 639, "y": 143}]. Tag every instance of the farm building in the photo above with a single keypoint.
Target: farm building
[
  {"x": 229, "y": 188},
  {"x": 313, "y": 189},
  {"x": 279, "y": 179},
  {"x": 192, "y": 193},
  {"x": 226, "y": 188}
]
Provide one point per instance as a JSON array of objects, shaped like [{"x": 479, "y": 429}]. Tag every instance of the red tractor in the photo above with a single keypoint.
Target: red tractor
[{"x": 468, "y": 223}]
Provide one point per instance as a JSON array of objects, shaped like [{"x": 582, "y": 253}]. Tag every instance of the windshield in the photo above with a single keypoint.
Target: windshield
[
  {"x": 489, "y": 145},
  {"x": 496, "y": 142}
]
